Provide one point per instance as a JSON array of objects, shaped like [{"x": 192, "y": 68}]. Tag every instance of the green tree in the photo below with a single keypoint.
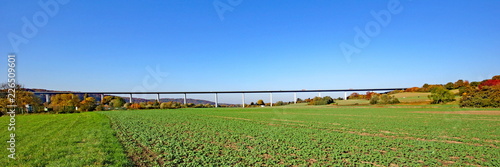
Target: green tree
[
  {"x": 321, "y": 100},
  {"x": 117, "y": 102},
  {"x": 449, "y": 86},
  {"x": 374, "y": 99},
  {"x": 261, "y": 102},
  {"x": 384, "y": 99},
  {"x": 459, "y": 83},
  {"x": 441, "y": 95},
  {"x": 475, "y": 84},
  {"x": 107, "y": 99}
]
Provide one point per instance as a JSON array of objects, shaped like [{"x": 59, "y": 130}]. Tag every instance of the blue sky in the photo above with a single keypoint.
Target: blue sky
[{"x": 259, "y": 45}]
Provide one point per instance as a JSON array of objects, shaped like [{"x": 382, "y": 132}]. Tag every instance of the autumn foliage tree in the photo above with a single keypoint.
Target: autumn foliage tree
[
  {"x": 23, "y": 97},
  {"x": 491, "y": 82},
  {"x": 88, "y": 104},
  {"x": 487, "y": 94},
  {"x": 62, "y": 103}
]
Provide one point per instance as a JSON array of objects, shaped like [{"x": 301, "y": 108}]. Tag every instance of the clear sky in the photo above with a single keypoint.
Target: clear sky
[{"x": 248, "y": 45}]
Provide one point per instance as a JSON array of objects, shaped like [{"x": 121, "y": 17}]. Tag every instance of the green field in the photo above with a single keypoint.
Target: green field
[
  {"x": 84, "y": 139},
  {"x": 279, "y": 136}
]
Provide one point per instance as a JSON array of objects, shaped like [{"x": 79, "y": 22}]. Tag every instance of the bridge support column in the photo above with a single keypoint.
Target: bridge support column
[
  {"x": 47, "y": 98},
  {"x": 271, "y": 97},
  {"x": 102, "y": 98},
  {"x": 185, "y": 98},
  {"x": 130, "y": 100},
  {"x": 243, "y": 100},
  {"x": 158, "y": 98},
  {"x": 294, "y": 98},
  {"x": 345, "y": 95},
  {"x": 319, "y": 94},
  {"x": 216, "y": 100}
]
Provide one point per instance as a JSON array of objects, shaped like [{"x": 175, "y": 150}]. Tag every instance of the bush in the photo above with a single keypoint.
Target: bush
[
  {"x": 489, "y": 96},
  {"x": 135, "y": 106},
  {"x": 374, "y": 100},
  {"x": 441, "y": 95},
  {"x": 99, "y": 108},
  {"x": 384, "y": 99},
  {"x": 279, "y": 103},
  {"x": 322, "y": 100},
  {"x": 170, "y": 105}
]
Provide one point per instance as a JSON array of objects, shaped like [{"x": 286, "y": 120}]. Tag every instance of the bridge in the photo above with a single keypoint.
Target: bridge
[{"x": 216, "y": 93}]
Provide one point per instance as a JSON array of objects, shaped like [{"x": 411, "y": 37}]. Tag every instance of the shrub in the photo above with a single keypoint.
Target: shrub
[
  {"x": 279, "y": 103},
  {"x": 322, "y": 100},
  {"x": 135, "y": 106},
  {"x": 384, "y": 99},
  {"x": 489, "y": 96},
  {"x": 170, "y": 105},
  {"x": 374, "y": 99},
  {"x": 441, "y": 95}
]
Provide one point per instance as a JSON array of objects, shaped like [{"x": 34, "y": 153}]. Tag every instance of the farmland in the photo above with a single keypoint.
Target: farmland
[
  {"x": 315, "y": 136},
  {"x": 84, "y": 139}
]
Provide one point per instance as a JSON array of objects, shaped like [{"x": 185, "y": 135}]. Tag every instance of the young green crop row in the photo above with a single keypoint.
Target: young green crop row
[
  {"x": 306, "y": 137},
  {"x": 84, "y": 139}
]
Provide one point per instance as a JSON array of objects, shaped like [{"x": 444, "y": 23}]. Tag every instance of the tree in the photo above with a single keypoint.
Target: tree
[
  {"x": 490, "y": 82},
  {"x": 496, "y": 77},
  {"x": 107, "y": 99},
  {"x": 383, "y": 99},
  {"x": 88, "y": 104},
  {"x": 260, "y": 102},
  {"x": 488, "y": 96},
  {"x": 475, "y": 84},
  {"x": 117, "y": 102},
  {"x": 441, "y": 95},
  {"x": 370, "y": 94},
  {"x": 449, "y": 86},
  {"x": 412, "y": 89},
  {"x": 374, "y": 99},
  {"x": 321, "y": 100},
  {"x": 23, "y": 97},
  {"x": 459, "y": 83},
  {"x": 64, "y": 102}
]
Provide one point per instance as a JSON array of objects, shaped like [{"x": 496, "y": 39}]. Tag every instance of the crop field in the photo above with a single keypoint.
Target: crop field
[
  {"x": 310, "y": 136},
  {"x": 84, "y": 139}
]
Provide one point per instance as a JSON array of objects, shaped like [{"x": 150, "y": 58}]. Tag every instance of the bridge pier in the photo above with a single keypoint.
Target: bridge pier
[
  {"x": 47, "y": 98},
  {"x": 345, "y": 95},
  {"x": 130, "y": 100},
  {"x": 158, "y": 98},
  {"x": 271, "y": 102},
  {"x": 102, "y": 98},
  {"x": 294, "y": 98},
  {"x": 185, "y": 98},
  {"x": 216, "y": 100},
  {"x": 243, "y": 100}
]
